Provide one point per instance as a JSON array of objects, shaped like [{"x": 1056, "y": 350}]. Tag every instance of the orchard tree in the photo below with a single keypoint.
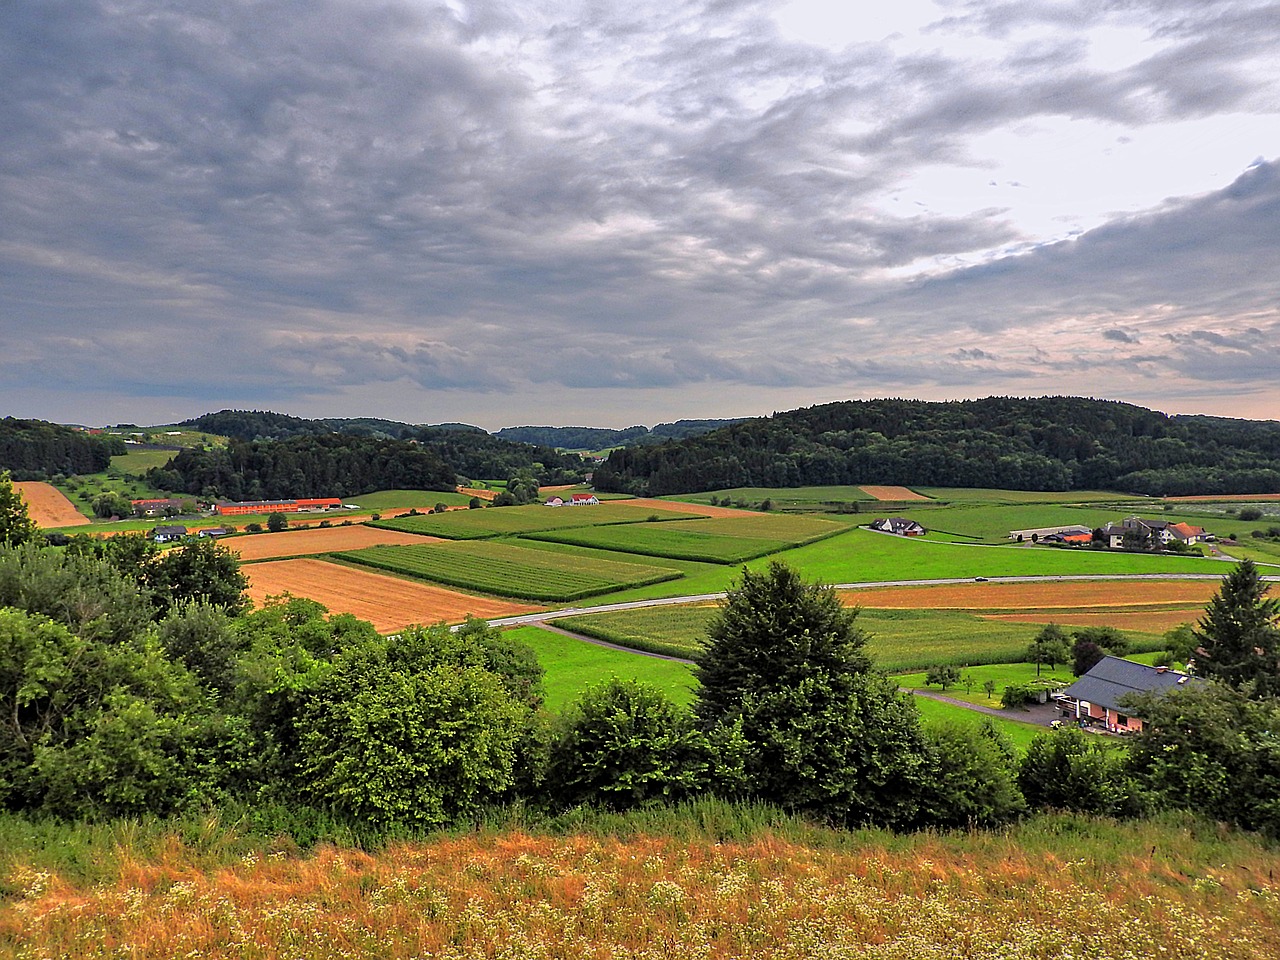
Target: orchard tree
[
  {"x": 1239, "y": 636},
  {"x": 277, "y": 522},
  {"x": 16, "y": 525},
  {"x": 1049, "y": 647}
]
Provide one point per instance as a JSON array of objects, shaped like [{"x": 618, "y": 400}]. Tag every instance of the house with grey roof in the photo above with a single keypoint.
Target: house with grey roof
[
  {"x": 1096, "y": 697},
  {"x": 900, "y": 526}
]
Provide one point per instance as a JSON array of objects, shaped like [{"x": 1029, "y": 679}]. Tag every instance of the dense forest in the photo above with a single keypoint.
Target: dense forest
[
  {"x": 36, "y": 450},
  {"x": 329, "y": 465},
  {"x": 1049, "y": 443}
]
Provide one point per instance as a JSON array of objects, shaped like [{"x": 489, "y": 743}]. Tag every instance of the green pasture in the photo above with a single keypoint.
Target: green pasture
[
  {"x": 718, "y": 540},
  {"x": 507, "y": 570},
  {"x": 970, "y": 689},
  {"x": 574, "y": 665},
  {"x": 1019, "y": 732},
  {"x": 508, "y": 521},
  {"x": 899, "y": 640},
  {"x": 814, "y": 496},
  {"x": 404, "y": 499},
  {"x": 984, "y": 495},
  {"x": 137, "y": 462}
]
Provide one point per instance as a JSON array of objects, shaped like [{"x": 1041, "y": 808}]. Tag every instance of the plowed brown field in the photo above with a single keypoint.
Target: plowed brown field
[
  {"x": 297, "y": 543},
  {"x": 892, "y": 493},
  {"x": 1068, "y": 596},
  {"x": 679, "y": 506},
  {"x": 387, "y": 602},
  {"x": 478, "y": 494},
  {"x": 47, "y": 505}
]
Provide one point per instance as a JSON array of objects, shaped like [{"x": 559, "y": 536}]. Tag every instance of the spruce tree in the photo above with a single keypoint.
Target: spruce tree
[{"x": 1239, "y": 637}]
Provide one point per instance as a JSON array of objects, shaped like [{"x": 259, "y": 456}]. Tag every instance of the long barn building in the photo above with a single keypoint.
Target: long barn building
[{"x": 230, "y": 508}]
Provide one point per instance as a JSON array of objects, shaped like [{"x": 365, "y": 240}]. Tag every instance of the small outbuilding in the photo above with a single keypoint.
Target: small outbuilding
[{"x": 167, "y": 534}]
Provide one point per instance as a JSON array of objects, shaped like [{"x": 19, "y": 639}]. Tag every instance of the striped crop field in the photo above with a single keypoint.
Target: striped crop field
[
  {"x": 723, "y": 540},
  {"x": 507, "y": 570},
  {"x": 508, "y": 521}
]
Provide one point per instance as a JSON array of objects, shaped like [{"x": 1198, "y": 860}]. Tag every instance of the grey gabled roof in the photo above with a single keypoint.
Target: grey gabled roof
[{"x": 1112, "y": 678}]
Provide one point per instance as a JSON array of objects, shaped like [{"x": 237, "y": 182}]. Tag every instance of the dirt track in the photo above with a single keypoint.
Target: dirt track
[
  {"x": 47, "y": 506},
  {"x": 297, "y": 543},
  {"x": 388, "y": 602},
  {"x": 891, "y": 493}
]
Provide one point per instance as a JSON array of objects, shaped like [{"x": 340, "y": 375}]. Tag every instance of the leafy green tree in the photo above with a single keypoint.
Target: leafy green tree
[
  {"x": 970, "y": 777},
  {"x": 199, "y": 635},
  {"x": 1070, "y": 770},
  {"x": 944, "y": 675},
  {"x": 16, "y": 525},
  {"x": 1180, "y": 643},
  {"x": 1239, "y": 635},
  {"x": 784, "y": 664},
  {"x": 1213, "y": 750},
  {"x": 199, "y": 570},
  {"x": 989, "y": 688},
  {"x": 111, "y": 505},
  {"x": 418, "y": 748},
  {"x": 623, "y": 744},
  {"x": 1048, "y": 647},
  {"x": 277, "y": 522}
]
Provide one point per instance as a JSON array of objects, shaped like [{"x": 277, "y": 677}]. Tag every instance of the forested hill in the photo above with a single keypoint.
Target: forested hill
[
  {"x": 597, "y": 438},
  {"x": 36, "y": 450},
  {"x": 1048, "y": 443},
  {"x": 275, "y": 455}
]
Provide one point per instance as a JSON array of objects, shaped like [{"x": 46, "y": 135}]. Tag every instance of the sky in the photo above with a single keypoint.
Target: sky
[{"x": 595, "y": 212}]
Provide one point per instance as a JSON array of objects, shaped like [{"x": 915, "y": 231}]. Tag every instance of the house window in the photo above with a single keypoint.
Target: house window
[{"x": 1122, "y": 720}]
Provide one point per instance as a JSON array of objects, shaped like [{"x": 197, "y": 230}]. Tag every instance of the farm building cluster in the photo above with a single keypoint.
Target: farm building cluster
[
  {"x": 231, "y": 508},
  {"x": 575, "y": 500},
  {"x": 1128, "y": 533}
]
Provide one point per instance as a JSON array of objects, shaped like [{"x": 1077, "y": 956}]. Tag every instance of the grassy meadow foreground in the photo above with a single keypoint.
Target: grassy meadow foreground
[{"x": 708, "y": 881}]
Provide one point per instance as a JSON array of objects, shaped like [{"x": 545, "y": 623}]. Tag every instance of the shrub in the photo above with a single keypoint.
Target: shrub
[
  {"x": 1250, "y": 513},
  {"x": 1016, "y": 695}
]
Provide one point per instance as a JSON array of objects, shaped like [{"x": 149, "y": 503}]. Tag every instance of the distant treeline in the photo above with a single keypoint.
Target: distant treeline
[
  {"x": 599, "y": 438},
  {"x": 275, "y": 455},
  {"x": 1049, "y": 443},
  {"x": 36, "y": 450}
]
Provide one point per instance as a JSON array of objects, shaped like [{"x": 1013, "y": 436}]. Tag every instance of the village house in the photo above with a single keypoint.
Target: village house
[
  {"x": 1156, "y": 532},
  {"x": 900, "y": 526},
  {"x": 1096, "y": 697},
  {"x": 167, "y": 534}
]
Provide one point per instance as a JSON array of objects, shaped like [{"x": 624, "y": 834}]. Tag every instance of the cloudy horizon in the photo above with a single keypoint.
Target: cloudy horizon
[{"x": 501, "y": 214}]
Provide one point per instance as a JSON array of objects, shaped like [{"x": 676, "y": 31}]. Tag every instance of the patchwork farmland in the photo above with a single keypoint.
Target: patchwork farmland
[
  {"x": 511, "y": 571},
  {"x": 508, "y": 521},
  {"x": 389, "y": 603},
  {"x": 316, "y": 540}
]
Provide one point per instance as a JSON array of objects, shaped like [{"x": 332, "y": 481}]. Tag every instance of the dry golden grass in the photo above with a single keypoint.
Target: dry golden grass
[
  {"x": 519, "y": 896},
  {"x": 389, "y": 603},
  {"x": 312, "y": 540},
  {"x": 891, "y": 493},
  {"x": 478, "y": 494},
  {"x": 48, "y": 506}
]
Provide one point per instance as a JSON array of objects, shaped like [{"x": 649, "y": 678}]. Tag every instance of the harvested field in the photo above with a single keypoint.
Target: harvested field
[
  {"x": 891, "y": 493},
  {"x": 48, "y": 506},
  {"x": 679, "y": 506},
  {"x": 389, "y": 603},
  {"x": 312, "y": 540},
  {"x": 479, "y": 494},
  {"x": 1152, "y": 621},
  {"x": 1069, "y": 595}
]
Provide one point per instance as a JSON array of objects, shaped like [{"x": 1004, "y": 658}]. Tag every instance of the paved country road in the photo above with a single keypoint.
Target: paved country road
[{"x": 545, "y": 615}]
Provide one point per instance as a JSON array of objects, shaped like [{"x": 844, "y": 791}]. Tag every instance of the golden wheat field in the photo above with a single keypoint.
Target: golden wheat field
[
  {"x": 961, "y": 896},
  {"x": 48, "y": 506}
]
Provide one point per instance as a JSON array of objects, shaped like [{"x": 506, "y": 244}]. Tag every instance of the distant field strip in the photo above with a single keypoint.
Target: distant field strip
[
  {"x": 506, "y": 521},
  {"x": 47, "y": 506},
  {"x": 314, "y": 540},
  {"x": 1044, "y": 595},
  {"x": 511, "y": 571},
  {"x": 728, "y": 540},
  {"x": 891, "y": 493},
  {"x": 389, "y": 603}
]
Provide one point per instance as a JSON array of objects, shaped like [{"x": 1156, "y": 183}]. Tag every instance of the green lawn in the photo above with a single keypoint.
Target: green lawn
[
  {"x": 970, "y": 689},
  {"x": 574, "y": 665},
  {"x": 507, "y": 570},
  {"x": 404, "y": 499},
  {"x": 780, "y": 495},
  {"x": 984, "y": 495},
  {"x": 1019, "y": 732},
  {"x": 506, "y": 521},
  {"x": 137, "y": 462}
]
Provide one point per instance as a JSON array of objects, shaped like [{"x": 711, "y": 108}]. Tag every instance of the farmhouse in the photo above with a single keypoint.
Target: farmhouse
[
  {"x": 898, "y": 525},
  {"x": 583, "y": 500},
  {"x": 156, "y": 508},
  {"x": 231, "y": 508},
  {"x": 555, "y": 502},
  {"x": 166, "y": 534},
  {"x": 1095, "y": 697},
  {"x": 212, "y": 532}
]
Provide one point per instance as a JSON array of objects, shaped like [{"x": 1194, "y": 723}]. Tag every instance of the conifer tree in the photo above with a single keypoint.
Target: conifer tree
[{"x": 1239, "y": 634}]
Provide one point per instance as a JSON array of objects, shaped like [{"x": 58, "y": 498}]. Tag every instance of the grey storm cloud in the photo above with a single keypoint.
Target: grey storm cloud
[{"x": 204, "y": 200}]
